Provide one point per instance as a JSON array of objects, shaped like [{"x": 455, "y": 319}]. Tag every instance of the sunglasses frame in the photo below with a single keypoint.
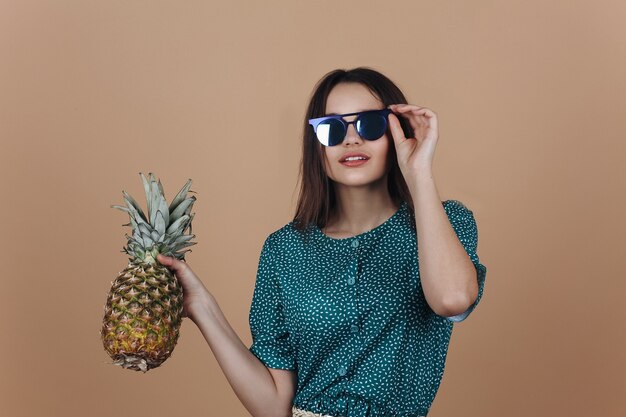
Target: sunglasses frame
[{"x": 316, "y": 122}]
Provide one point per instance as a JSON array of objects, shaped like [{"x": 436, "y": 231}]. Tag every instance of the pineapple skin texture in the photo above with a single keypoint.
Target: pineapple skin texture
[{"x": 143, "y": 315}]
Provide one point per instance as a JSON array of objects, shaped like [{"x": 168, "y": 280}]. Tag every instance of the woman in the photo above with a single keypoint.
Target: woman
[{"x": 348, "y": 318}]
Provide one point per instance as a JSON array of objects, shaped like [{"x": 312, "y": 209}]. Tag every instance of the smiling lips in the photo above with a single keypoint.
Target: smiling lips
[{"x": 354, "y": 159}]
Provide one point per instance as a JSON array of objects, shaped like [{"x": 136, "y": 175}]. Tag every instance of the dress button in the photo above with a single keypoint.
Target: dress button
[
  {"x": 351, "y": 280},
  {"x": 354, "y": 328},
  {"x": 343, "y": 371},
  {"x": 355, "y": 243}
]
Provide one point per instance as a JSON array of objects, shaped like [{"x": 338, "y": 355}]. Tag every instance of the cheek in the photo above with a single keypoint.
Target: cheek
[
  {"x": 385, "y": 145},
  {"x": 326, "y": 161},
  {"x": 332, "y": 153},
  {"x": 389, "y": 152}
]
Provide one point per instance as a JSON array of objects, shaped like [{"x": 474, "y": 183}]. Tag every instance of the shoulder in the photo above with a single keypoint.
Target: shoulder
[
  {"x": 458, "y": 213},
  {"x": 462, "y": 221},
  {"x": 286, "y": 238},
  {"x": 455, "y": 207}
]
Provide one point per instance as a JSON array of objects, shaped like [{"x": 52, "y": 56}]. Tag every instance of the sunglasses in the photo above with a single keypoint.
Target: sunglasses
[{"x": 331, "y": 130}]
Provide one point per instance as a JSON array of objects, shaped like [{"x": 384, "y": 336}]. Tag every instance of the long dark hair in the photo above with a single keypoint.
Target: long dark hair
[{"x": 317, "y": 200}]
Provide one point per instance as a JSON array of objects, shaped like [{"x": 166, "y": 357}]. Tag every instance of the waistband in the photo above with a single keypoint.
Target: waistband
[{"x": 298, "y": 412}]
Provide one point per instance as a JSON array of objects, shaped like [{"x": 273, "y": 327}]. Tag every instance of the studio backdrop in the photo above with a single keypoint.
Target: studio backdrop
[{"x": 530, "y": 99}]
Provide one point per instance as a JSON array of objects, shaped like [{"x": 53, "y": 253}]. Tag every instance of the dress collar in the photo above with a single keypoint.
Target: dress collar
[{"x": 362, "y": 239}]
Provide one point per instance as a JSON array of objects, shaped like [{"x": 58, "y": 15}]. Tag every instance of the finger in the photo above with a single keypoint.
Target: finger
[
  {"x": 405, "y": 108},
  {"x": 423, "y": 111},
  {"x": 396, "y": 129},
  {"x": 415, "y": 120},
  {"x": 418, "y": 116},
  {"x": 165, "y": 260},
  {"x": 172, "y": 263}
]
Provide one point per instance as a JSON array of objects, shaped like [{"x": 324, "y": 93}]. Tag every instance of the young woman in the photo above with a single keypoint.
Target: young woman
[{"x": 356, "y": 297}]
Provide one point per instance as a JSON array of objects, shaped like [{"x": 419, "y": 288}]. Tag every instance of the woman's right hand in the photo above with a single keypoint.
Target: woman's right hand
[{"x": 194, "y": 291}]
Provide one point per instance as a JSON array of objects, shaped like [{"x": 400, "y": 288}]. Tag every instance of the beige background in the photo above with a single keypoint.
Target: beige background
[{"x": 530, "y": 98}]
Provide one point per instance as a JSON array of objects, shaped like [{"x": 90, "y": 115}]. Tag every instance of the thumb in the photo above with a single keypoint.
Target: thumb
[
  {"x": 396, "y": 129},
  {"x": 177, "y": 266},
  {"x": 165, "y": 260}
]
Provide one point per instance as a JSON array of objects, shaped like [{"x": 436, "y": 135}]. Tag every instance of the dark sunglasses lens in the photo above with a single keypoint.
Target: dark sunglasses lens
[
  {"x": 371, "y": 126},
  {"x": 330, "y": 132}
]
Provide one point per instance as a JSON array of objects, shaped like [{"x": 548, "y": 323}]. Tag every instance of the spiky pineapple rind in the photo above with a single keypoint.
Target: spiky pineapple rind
[{"x": 143, "y": 315}]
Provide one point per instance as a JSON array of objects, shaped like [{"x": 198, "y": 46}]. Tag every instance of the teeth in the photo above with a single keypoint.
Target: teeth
[{"x": 355, "y": 158}]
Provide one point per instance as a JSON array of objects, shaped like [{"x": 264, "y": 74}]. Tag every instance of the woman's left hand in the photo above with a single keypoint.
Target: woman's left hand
[{"x": 415, "y": 154}]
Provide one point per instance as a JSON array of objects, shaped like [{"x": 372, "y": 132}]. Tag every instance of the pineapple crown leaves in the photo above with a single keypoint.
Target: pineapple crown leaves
[{"x": 163, "y": 229}]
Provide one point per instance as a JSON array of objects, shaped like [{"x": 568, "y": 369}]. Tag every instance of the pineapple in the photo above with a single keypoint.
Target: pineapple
[{"x": 143, "y": 311}]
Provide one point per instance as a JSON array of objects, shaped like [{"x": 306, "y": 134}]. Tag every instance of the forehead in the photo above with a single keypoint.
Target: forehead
[{"x": 351, "y": 98}]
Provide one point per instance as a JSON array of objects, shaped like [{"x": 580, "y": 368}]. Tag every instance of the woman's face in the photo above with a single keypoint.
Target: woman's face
[{"x": 351, "y": 98}]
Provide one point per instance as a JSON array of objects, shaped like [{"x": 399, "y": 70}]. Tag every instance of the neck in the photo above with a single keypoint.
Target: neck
[{"x": 360, "y": 209}]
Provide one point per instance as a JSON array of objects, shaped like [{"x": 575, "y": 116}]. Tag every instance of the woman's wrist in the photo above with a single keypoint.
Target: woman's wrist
[{"x": 201, "y": 306}]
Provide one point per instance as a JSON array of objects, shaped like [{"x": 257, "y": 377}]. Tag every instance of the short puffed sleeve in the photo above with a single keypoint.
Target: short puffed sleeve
[
  {"x": 463, "y": 222},
  {"x": 271, "y": 341}
]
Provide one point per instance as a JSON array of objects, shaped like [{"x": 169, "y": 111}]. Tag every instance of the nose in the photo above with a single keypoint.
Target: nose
[{"x": 351, "y": 134}]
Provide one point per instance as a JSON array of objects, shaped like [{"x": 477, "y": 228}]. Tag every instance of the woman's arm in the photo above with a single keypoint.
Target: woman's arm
[
  {"x": 251, "y": 380},
  {"x": 448, "y": 276},
  {"x": 447, "y": 273},
  {"x": 264, "y": 392}
]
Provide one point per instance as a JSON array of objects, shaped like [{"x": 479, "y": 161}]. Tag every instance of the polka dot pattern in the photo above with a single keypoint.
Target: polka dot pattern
[{"x": 349, "y": 315}]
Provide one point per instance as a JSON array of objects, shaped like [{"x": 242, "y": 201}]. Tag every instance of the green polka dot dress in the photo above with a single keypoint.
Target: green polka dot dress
[{"x": 349, "y": 315}]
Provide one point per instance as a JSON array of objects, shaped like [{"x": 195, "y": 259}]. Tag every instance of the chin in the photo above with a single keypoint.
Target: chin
[{"x": 357, "y": 180}]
